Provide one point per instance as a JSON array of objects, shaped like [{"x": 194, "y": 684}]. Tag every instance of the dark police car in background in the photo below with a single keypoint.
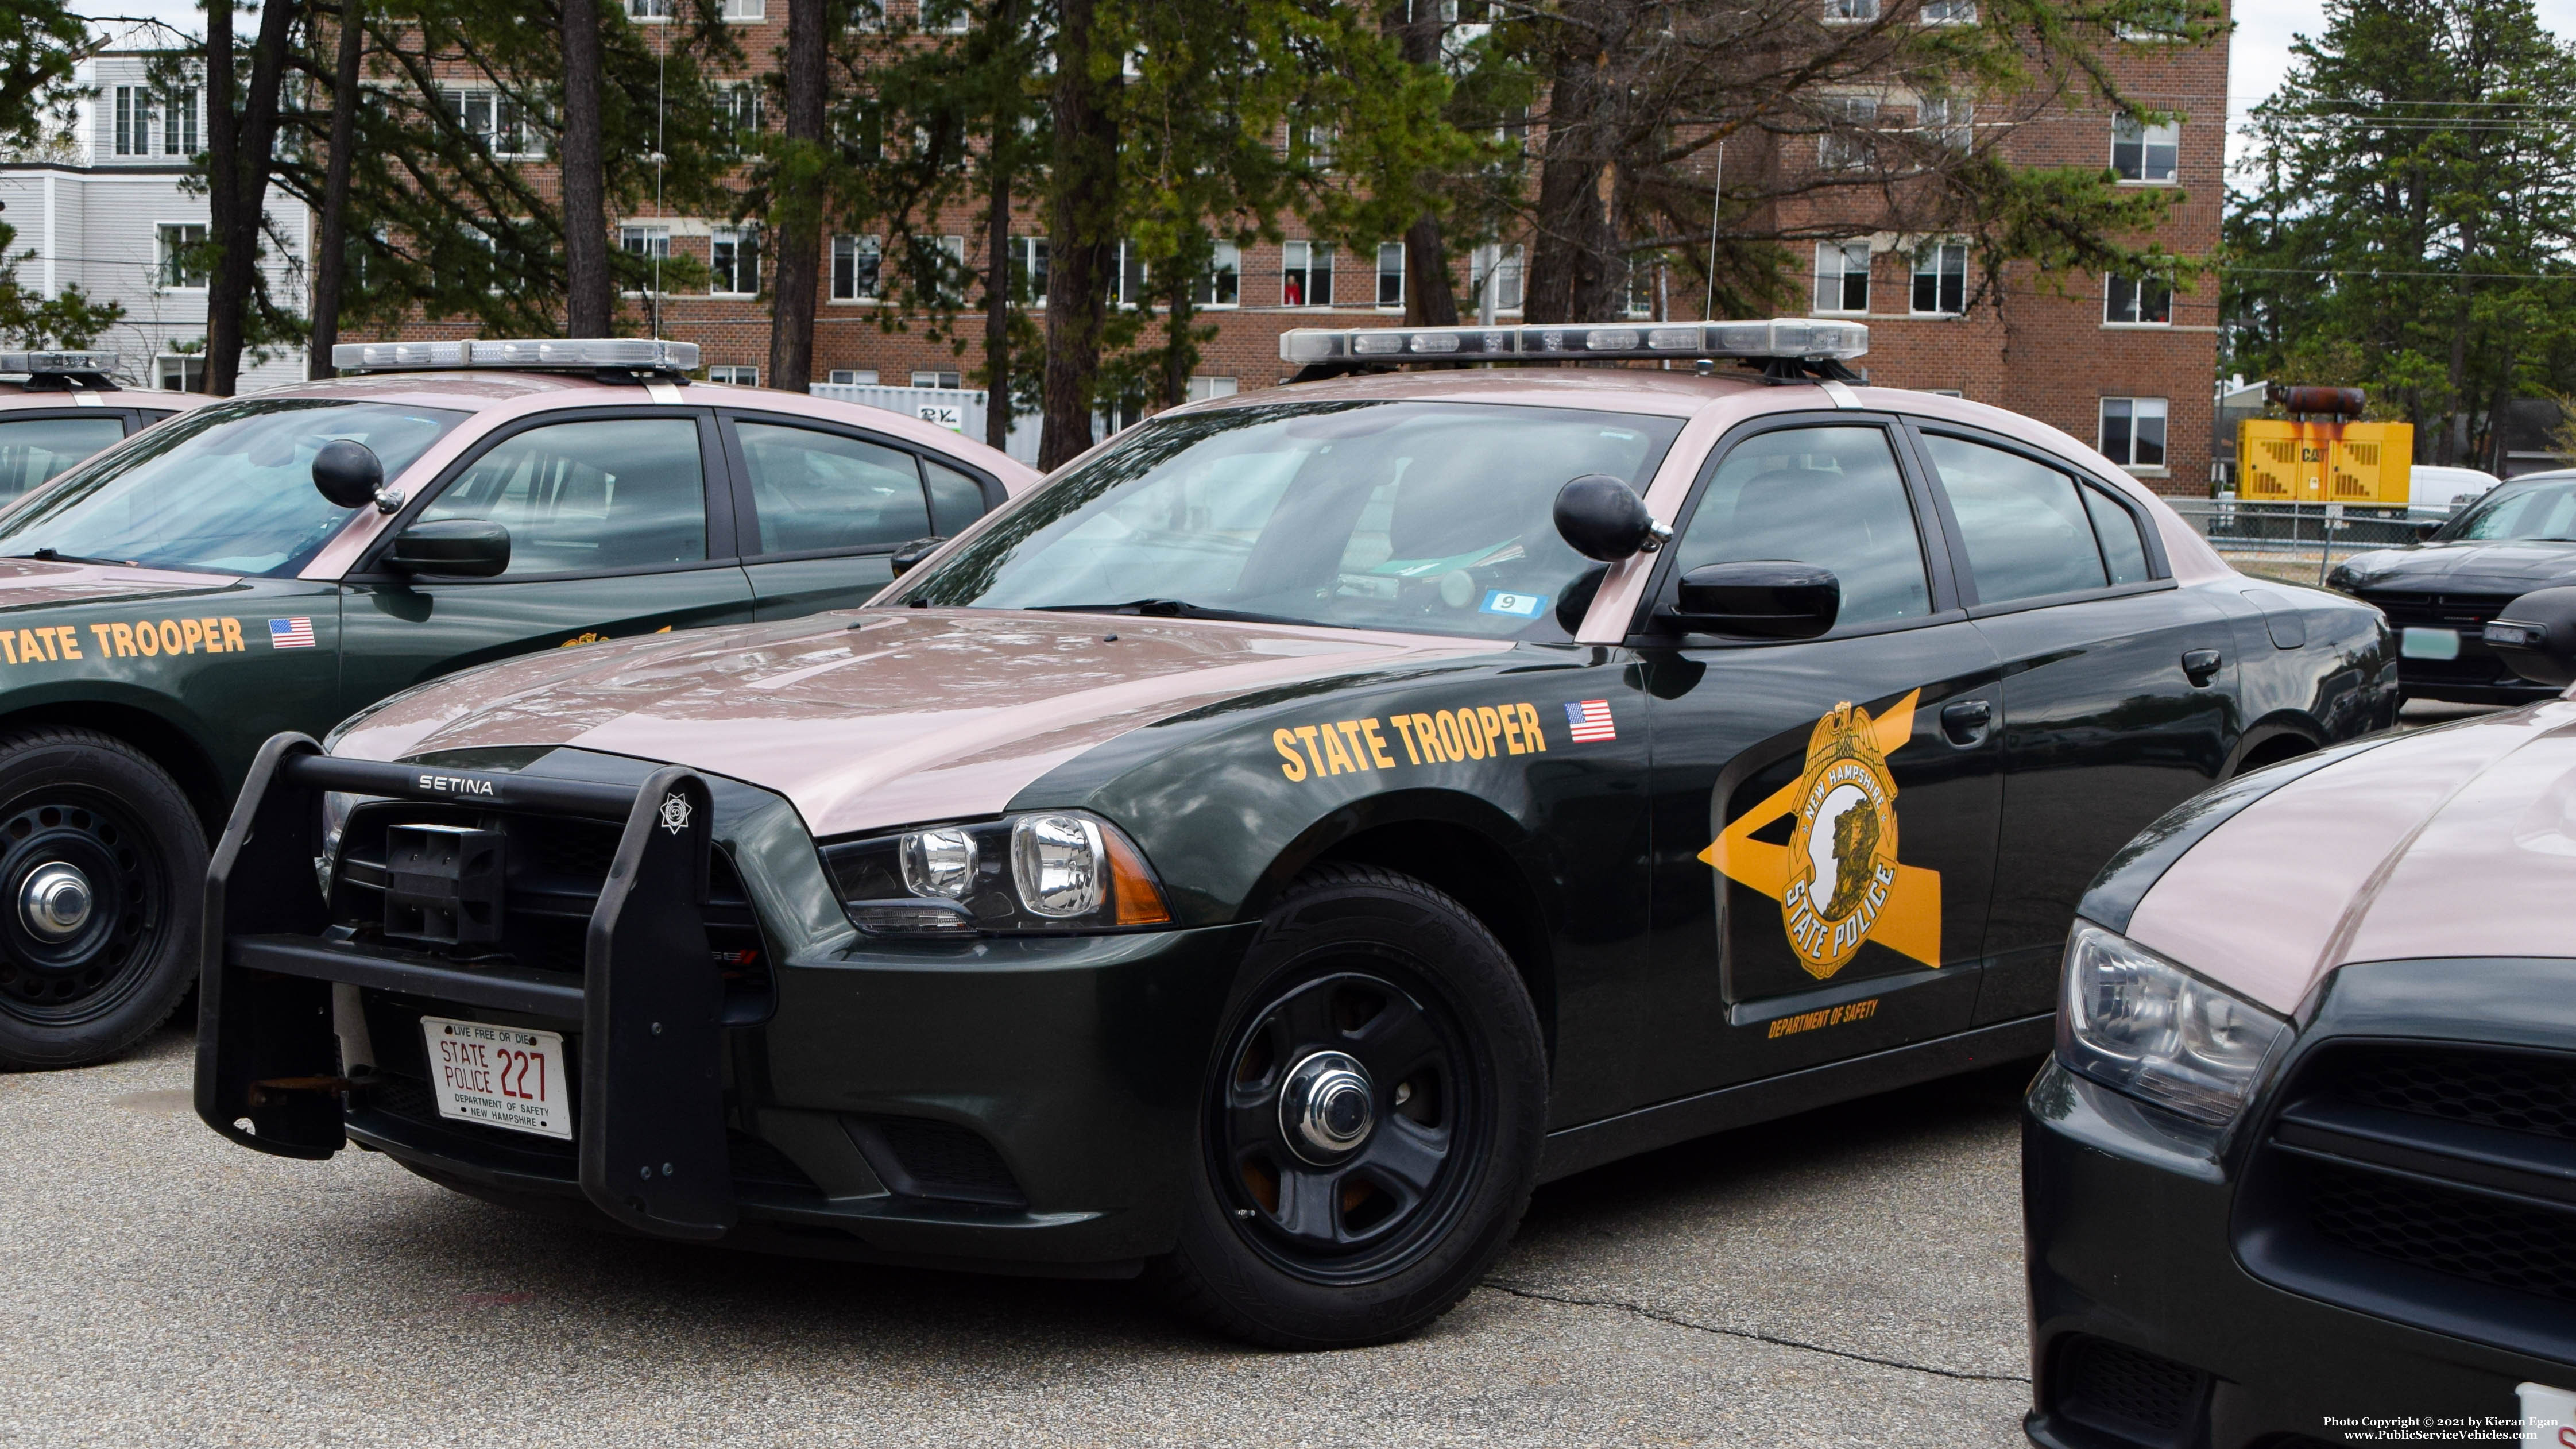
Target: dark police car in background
[
  {"x": 2439, "y": 594},
  {"x": 1261, "y": 853}
]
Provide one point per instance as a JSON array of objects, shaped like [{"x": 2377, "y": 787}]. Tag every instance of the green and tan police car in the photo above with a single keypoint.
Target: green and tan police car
[
  {"x": 276, "y": 561},
  {"x": 58, "y": 407},
  {"x": 1261, "y": 853}
]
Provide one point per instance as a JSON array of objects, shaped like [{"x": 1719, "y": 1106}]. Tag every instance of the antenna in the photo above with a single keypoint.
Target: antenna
[
  {"x": 1716, "y": 189},
  {"x": 661, "y": 70}
]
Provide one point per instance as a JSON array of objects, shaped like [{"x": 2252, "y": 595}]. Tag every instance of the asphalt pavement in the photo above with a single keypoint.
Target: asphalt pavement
[{"x": 1847, "y": 1276}]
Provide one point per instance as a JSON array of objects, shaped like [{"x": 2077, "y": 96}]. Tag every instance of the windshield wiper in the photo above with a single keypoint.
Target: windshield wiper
[
  {"x": 49, "y": 555},
  {"x": 1165, "y": 609}
]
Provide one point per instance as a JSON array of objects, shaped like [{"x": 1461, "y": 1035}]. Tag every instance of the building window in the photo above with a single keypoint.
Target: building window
[
  {"x": 745, "y": 10},
  {"x": 932, "y": 378},
  {"x": 1029, "y": 270},
  {"x": 733, "y": 259},
  {"x": 651, "y": 9},
  {"x": 133, "y": 121},
  {"x": 2137, "y": 301},
  {"x": 1222, "y": 284},
  {"x": 1203, "y": 388},
  {"x": 179, "y": 122},
  {"x": 854, "y": 377},
  {"x": 1842, "y": 276},
  {"x": 1941, "y": 279},
  {"x": 946, "y": 17},
  {"x": 1311, "y": 144},
  {"x": 1643, "y": 273},
  {"x": 1838, "y": 150},
  {"x": 738, "y": 376},
  {"x": 1390, "y": 274},
  {"x": 1948, "y": 121},
  {"x": 1502, "y": 265},
  {"x": 653, "y": 242},
  {"x": 2145, "y": 154},
  {"x": 178, "y": 241},
  {"x": 948, "y": 254},
  {"x": 1949, "y": 12},
  {"x": 492, "y": 119},
  {"x": 2133, "y": 431},
  {"x": 1306, "y": 274},
  {"x": 738, "y": 110},
  {"x": 175, "y": 373},
  {"x": 2163, "y": 28},
  {"x": 856, "y": 263},
  {"x": 1847, "y": 12}
]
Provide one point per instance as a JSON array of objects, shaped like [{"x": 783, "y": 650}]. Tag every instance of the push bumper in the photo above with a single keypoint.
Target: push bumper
[
  {"x": 1026, "y": 1104},
  {"x": 2146, "y": 1330}
]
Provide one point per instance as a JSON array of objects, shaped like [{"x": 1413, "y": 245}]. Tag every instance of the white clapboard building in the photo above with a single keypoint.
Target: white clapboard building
[{"x": 107, "y": 213}]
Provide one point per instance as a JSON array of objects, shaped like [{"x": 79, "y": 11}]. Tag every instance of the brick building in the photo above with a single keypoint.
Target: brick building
[{"x": 2122, "y": 364}]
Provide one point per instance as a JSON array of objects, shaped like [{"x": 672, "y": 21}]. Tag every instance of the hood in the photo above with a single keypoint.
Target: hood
[
  {"x": 2454, "y": 842},
  {"x": 28, "y": 583},
  {"x": 2504, "y": 566},
  {"x": 880, "y": 718}
]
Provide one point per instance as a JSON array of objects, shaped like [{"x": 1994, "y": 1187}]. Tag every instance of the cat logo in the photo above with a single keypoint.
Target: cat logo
[{"x": 1838, "y": 880}]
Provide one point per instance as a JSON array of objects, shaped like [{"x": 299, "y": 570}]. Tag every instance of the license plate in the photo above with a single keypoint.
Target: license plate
[
  {"x": 2430, "y": 644},
  {"x": 2548, "y": 1417},
  {"x": 500, "y": 1076}
]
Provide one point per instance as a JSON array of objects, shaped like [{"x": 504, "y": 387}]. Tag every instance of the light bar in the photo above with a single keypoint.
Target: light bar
[
  {"x": 643, "y": 354},
  {"x": 1782, "y": 337},
  {"x": 54, "y": 363}
]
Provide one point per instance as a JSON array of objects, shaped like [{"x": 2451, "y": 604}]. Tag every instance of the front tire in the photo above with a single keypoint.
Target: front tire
[
  {"x": 102, "y": 879},
  {"x": 1371, "y": 1124}
]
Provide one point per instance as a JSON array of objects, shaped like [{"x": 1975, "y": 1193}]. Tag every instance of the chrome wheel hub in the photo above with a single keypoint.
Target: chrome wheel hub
[
  {"x": 1327, "y": 1107},
  {"x": 55, "y": 902}
]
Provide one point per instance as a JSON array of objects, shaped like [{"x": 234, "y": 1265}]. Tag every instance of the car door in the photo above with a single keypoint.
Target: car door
[
  {"x": 1825, "y": 811},
  {"x": 2118, "y": 687},
  {"x": 37, "y": 446},
  {"x": 614, "y": 530},
  {"x": 822, "y": 509}
]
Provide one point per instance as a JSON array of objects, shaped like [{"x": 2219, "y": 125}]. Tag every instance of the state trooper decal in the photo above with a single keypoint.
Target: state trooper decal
[{"x": 1838, "y": 880}]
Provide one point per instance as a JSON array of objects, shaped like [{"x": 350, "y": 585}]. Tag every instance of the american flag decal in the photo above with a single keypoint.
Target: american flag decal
[
  {"x": 290, "y": 633},
  {"x": 1589, "y": 721}
]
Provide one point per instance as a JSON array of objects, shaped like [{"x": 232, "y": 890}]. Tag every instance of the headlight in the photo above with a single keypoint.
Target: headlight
[
  {"x": 2137, "y": 1022},
  {"x": 336, "y": 805},
  {"x": 1053, "y": 871}
]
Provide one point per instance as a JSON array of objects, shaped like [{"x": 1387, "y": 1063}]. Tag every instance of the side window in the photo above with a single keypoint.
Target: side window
[
  {"x": 955, "y": 499},
  {"x": 622, "y": 493},
  {"x": 816, "y": 490},
  {"x": 2123, "y": 549},
  {"x": 33, "y": 450},
  {"x": 1826, "y": 496},
  {"x": 2025, "y": 529}
]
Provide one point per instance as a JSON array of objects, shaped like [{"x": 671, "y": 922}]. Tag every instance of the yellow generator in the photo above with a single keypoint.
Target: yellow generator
[{"x": 2326, "y": 461}]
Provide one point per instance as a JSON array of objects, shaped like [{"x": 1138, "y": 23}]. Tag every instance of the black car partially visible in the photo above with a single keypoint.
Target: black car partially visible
[{"x": 2440, "y": 594}]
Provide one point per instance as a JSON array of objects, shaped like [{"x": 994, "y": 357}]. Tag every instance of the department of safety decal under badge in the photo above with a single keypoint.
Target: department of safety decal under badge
[{"x": 1838, "y": 880}]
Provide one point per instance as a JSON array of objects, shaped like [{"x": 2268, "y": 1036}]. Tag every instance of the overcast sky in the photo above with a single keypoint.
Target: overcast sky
[{"x": 2257, "y": 55}]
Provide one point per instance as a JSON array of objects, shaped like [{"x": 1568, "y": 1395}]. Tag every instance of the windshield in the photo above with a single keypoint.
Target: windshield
[
  {"x": 1425, "y": 517},
  {"x": 2542, "y": 511},
  {"x": 224, "y": 489}
]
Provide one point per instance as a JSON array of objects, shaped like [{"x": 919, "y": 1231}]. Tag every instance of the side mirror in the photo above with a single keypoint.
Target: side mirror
[
  {"x": 346, "y": 472},
  {"x": 2535, "y": 635},
  {"x": 913, "y": 553},
  {"x": 1759, "y": 599},
  {"x": 1605, "y": 519},
  {"x": 458, "y": 547},
  {"x": 2425, "y": 530}
]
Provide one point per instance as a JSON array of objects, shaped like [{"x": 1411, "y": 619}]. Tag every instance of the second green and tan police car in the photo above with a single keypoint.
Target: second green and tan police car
[
  {"x": 1261, "y": 853},
  {"x": 275, "y": 561}
]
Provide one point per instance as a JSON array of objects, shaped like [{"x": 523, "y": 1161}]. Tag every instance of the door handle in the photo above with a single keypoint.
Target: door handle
[
  {"x": 1965, "y": 720},
  {"x": 2201, "y": 665}
]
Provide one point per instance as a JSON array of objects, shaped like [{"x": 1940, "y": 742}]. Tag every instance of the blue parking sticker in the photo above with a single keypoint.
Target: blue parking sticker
[{"x": 1519, "y": 606}]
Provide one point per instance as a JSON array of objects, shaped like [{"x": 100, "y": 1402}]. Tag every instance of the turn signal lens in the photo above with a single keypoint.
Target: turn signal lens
[
  {"x": 1134, "y": 899},
  {"x": 2137, "y": 1022}
]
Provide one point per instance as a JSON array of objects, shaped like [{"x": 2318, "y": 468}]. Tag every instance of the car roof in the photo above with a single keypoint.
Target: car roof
[{"x": 18, "y": 396}]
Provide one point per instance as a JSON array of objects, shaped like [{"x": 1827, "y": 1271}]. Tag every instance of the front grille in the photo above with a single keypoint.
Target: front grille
[
  {"x": 2425, "y": 609},
  {"x": 2127, "y": 1392},
  {"x": 556, "y": 867},
  {"x": 2465, "y": 1235},
  {"x": 2510, "y": 1093},
  {"x": 2428, "y": 1182}
]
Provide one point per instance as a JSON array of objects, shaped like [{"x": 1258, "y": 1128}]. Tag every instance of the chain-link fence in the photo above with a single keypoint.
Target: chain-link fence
[{"x": 2300, "y": 543}]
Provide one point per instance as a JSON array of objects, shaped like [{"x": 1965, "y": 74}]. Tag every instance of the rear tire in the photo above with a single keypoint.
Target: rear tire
[
  {"x": 102, "y": 883},
  {"x": 1371, "y": 1123}
]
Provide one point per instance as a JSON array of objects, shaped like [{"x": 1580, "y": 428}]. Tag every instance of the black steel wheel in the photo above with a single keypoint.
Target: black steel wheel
[
  {"x": 1372, "y": 1120},
  {"x": 102, "y": 866}
]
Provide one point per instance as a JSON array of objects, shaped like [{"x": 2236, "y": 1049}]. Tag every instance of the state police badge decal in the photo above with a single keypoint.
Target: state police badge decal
[{"x": 1838, "y": 880}]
